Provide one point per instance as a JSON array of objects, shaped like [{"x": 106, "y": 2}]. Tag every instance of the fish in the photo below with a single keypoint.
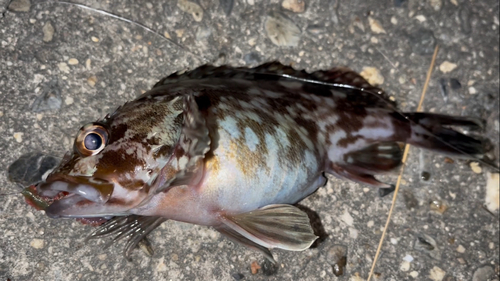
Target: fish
[{"x": 235, "y": 149}]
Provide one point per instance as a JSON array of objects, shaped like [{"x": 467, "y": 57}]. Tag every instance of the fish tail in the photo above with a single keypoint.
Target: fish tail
[{"x": 435, "y": 132}]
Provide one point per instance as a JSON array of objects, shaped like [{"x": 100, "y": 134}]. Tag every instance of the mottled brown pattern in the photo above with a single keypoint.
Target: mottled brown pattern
[{"x": 114, "y": 161}]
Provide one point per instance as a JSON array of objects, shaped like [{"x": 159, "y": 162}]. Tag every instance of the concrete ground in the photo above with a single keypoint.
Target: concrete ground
[{"x": 62, "y": 66}]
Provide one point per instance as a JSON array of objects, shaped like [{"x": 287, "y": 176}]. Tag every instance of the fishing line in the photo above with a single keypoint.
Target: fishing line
[
  {"x": 8, "y": 194},
  {"x": 201, "y": 59}
]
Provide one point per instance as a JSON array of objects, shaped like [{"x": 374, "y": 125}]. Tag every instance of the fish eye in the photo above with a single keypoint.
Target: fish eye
[{"x": 91, "y": 139}]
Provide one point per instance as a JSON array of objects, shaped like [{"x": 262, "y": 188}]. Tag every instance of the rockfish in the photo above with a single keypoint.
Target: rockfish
[{"x": 235, "y": 148}]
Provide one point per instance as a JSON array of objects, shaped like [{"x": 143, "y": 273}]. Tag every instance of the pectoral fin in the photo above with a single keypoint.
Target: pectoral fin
[
  {"x": 238, "y": 238},
  {"x": 274, "y": 226},
  {"x": 194, "y": 143}
]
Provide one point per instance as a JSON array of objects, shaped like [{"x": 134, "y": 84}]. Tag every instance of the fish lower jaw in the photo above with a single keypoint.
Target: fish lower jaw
[
  {"x": 66, "y": 207},
  {"x": 84, "y": 191}
]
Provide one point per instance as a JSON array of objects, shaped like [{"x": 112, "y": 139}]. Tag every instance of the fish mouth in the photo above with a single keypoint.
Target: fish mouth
[{"x": 76, "y": 197}]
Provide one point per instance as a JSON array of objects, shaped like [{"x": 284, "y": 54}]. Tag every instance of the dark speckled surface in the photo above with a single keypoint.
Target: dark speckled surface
[{"x": 117, "y": 61}]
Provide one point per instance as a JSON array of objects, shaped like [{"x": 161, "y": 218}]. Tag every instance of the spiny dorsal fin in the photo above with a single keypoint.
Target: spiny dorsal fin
[
  {"x": 274, "y": 226},
  {"x": 340, "y": 79}
]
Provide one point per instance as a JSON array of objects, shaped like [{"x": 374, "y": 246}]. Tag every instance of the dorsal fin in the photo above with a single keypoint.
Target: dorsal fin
[{"x": 341, "y": 79}]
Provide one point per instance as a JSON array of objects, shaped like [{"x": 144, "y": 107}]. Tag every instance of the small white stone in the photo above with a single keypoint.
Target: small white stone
[
  {"x": 72, "y": 61},
  {"x": 161, "y": 266},
  {"x": 48, "y": 32},
  {"x": 436, "y": 4},
  {"x": 475, "y": 167},
  {"x": 370, "y": 224},
  {"x": 37, "y": 243},
  {"x": 374, "y": 40},
  {"x": 447, "y": 66},
  {"x": 472, "y": 91},
  {"x": 356, "y": 278},
  {"x": 394, "y": 20},
  {"x": 63, "y": 67},
  {"x": 461, "y": 249},
  {"x": 454, "y": 2},
  {"x": 394, "y": 241},
  {"x": 492, "y": 200},
  {"x": 408, "y": 258},
  {"x": 372, "y": 75},
  {"x": 452, "y": 195},
  {"x": 414, "y": 274},
  {"x": 296, "y": 6},
  {"x": 281, "y": 30},
  {"x": 18, "y": 136},
  {"x": 353, "y": 233},
  {"x": 68, "y": 100},
  {"x": 437, "y": 274},
  {"x": 375, "y": 26},
  {"x": 30, "y": 216},
  {"x": 192, "y": 8},
  {"x": 405, "y": 266},
  {"x": 421, "y": 18},
  {"x": 252, "y": 41},
  {"x": 347, "y": 218}
]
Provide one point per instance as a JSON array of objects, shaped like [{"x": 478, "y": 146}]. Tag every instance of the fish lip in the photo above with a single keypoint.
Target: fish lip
[
  {"x": 76, "y": 206},
  {"x": 78, "y": 197},
  {"x": 57, "y": 208},
  {"x": 95, "y": 190}
]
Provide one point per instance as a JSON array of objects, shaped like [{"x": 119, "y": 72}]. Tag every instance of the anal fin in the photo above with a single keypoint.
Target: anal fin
[
  {"x": 376, "y": 158},
  {"x": 274, "y": 226},
  {"x": 356, "y": 176},
  {"x": 361, "y": 165}
]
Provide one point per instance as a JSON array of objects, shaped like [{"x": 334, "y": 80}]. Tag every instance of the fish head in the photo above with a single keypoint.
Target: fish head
[{"x": 116, "y": 162}]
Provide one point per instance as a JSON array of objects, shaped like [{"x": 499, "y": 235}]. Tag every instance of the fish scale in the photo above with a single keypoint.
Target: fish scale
[{"x": 235, "y": 148}]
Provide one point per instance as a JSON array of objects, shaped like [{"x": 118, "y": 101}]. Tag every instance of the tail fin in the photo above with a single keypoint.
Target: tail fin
[{"x": 432, "y": 131}]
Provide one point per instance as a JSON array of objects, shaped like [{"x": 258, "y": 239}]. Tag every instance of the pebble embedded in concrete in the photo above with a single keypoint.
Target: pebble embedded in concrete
[
  {"x": 372, "y": 75},
  {"x": 281, "y": 30},
  {"x": 20, "y": 5},
  {"x": 48, "y": 32},
  {"x": 296, "y": 6},
  {"x": 375, "y": 26},
  {"x": 37, "y": 243},
  {"x": 437, "y": 274},
  {"x": 447, "y": 66},
  {"x": 492, "y": 197}
]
